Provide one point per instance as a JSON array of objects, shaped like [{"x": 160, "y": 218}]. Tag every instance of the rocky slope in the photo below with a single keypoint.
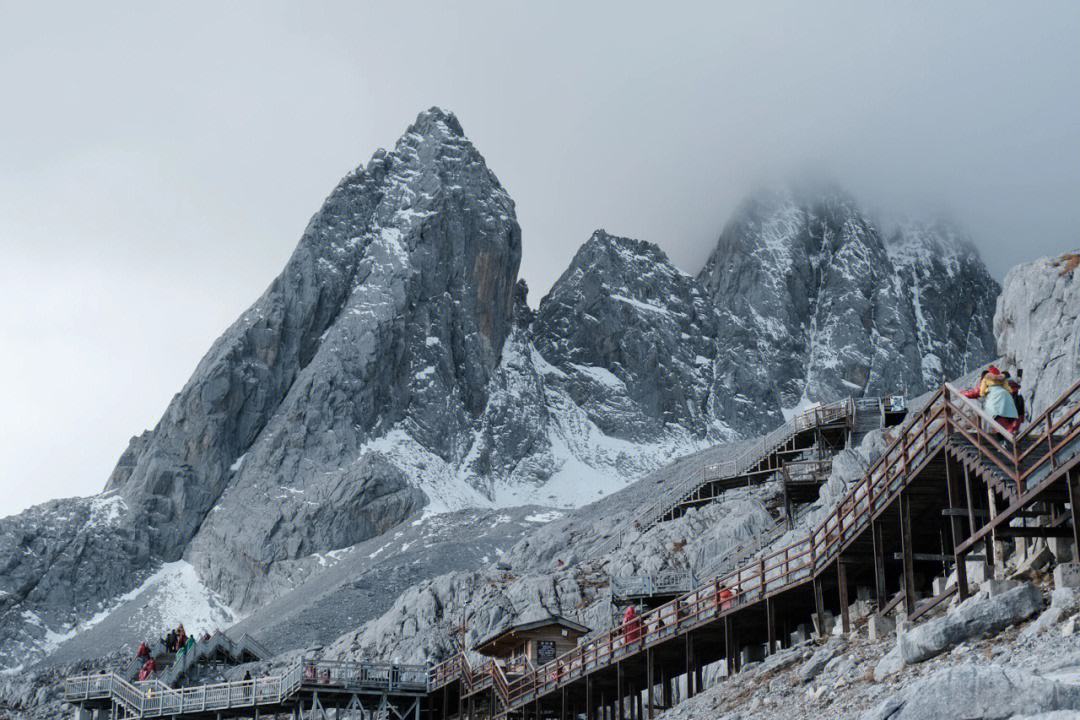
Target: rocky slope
[
  {"x": 394, "y": 367},
  {"x": 1038, "y": 326}
]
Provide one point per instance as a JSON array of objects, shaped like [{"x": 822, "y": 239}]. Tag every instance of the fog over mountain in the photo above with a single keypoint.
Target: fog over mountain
[{"x": 159, "y": 165}]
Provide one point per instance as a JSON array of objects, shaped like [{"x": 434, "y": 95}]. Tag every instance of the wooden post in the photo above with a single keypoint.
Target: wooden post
[
  {"x": 729, "y": 646},
  {"x": 770, "y": 627},
  {"x": 1073, "y": 481},
  {"x": 590, "y": 711},
  {"x": 819, "y": 608},
  {"x": 562, "y": 705},
  {"x": 788, "y": 509},
  {"x": 996, "y": 547},
  {"x": 908, "y": 581},
  {"x": 689, "y": 666},
  {"x": 650, "y": 680},
  {"x": 880, "y": 590},
  {"x": 841, "y": 580},
  {"x": 619, "y": 689},
  {"x": 955, "y": 524}
]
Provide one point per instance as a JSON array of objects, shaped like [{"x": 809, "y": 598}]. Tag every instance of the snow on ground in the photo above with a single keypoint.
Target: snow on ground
[
  {"x": 106, "y": 509},
  {"x": 544, "y": 517},
  {"x": 182, "y": 595},
  {"x": 173, "y": 594},
  {"x": 802, "y": 406}
]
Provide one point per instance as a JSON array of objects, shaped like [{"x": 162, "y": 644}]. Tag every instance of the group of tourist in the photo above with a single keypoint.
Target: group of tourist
[
  {"x": 1001, "y": 397},
  {"x": 176, "y": 639},
  {"x": 172, "y": 642}
]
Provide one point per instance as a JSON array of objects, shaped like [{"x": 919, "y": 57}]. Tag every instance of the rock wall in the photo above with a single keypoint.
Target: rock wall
[{"x": 1038, "y": 326}]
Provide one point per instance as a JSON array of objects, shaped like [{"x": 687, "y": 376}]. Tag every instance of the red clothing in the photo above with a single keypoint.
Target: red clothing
[
  {"x": 725, "y": 596},
  {"x": 148, "y": 670},
  {"x": 631, "y": 625},
  {"x": 1010, "y": 424}
]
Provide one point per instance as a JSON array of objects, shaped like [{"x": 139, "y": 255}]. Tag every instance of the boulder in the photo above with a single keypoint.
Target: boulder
[
  {"x": 973, "y": 618},
  {"x": 817, "y": 662},
  {"x": 1064, "y": 601},
  {"x": 890, "y": 664},
  {"x": 990, "y": 692}
]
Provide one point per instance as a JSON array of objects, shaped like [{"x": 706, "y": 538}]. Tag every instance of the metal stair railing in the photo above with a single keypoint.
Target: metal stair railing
[
  {"x": 253, "y": 646},
  {"x": 154, "y": 699},
  {"x": 194, "y": 651},
  {"x": 747, "y": 459},
  {"x": 131, "y": 669},
  {"x": 665, "y": 583}
]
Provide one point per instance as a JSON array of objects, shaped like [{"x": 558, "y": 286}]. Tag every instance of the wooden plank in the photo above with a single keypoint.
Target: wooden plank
[
  {"x": 929, "y": 605},
  {"x": 1024, "y": 500},
  {"x": 925, "y": 557},
  {"x": 1036, "y": 531},
  {"x": 963, "y": 513}
]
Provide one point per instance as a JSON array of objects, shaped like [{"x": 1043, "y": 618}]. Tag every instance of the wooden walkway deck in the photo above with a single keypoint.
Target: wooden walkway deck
[{"x": 950, "y": 477}]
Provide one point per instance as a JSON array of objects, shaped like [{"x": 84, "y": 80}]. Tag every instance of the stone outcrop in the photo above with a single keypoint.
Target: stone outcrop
[
  {"x": 987, "y": 692},
  {"x": 974, "y": 618},
  {"x": 1037, "y": 325}
]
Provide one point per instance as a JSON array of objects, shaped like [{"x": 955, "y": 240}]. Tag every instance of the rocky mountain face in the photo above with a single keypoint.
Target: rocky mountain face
[
  {"x": 814, "y": 304},
  {"x": 389, "y": 319},
  {"x": 1038, "y": 326},
  {"x": 633, "y": 338},
  {"x": 395, "y": 367}
]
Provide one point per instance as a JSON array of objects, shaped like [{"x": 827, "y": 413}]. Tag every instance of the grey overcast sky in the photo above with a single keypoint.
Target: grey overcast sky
[{"x": 158, "y": 161}]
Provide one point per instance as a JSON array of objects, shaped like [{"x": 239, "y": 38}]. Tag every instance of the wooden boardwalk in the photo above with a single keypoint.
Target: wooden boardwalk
[{"x": 950, "y": 477}]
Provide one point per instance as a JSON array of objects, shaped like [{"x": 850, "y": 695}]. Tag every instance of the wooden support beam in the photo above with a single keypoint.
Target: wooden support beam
[
  {"x": 952, "y": 483},
  {"x": 995, "y": 550},
  {"x": 962, "y": 512},
  {"x": 729, "y": 646},
  {"x": 689, "y": 666},
  {"x": 925, "y": 557},
  {"x": 770, "y": 626},
  {"x": 880, "y": 592},
  {"x": 562, "y": 705},
  {"x": 1072, "y": 479},
  {"x": 819, "y": 607},
  {"x": 650, "y": 680},
  {"x": 908, "y": 579},
  {"x": 619, "y": 689},
  {"x": 1035, "y": 531},
  {"x": 841, "y": 581}
]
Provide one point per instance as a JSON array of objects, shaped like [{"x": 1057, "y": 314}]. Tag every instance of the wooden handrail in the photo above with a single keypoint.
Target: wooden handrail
[
  {"x": 1061, "y": 401},
  {"x": 977, "y": 408}
]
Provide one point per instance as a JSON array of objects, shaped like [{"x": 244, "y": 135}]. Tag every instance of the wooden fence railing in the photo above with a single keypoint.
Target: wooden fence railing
[
  {"x": 1036, "y": 450},
  {"x": 947, "y": 412}
]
